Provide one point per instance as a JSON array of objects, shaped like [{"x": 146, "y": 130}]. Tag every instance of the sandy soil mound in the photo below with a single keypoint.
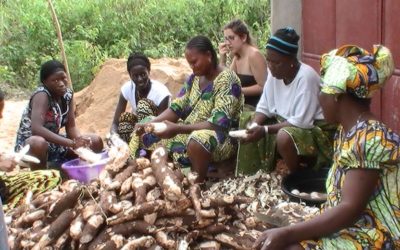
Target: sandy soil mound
[
  {"x": 9, "y": 124},
  {"x": 95, "y": 105}
]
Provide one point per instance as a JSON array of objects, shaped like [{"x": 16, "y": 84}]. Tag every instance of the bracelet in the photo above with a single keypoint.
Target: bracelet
[
  {"x": 266, "y": 129},
  {"x": 73, "y": 143}
]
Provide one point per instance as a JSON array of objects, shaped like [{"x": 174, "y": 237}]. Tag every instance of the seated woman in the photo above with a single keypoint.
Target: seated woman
[
  {"x": 248, "y": 62},
  {"x": 14, "y": 186},
  {"x": 146, "y": 97},
  {"x": 51, "y": 108},
  {"x": 289, "y": 105},
  {"x": 362, "y": 211},
  {"x": 199, "y": 119}
]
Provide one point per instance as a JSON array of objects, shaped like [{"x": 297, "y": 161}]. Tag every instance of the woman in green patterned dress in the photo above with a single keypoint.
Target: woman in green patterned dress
[
  {"x": 362, "y": 210},
  {"x": 198, "y": 120}
]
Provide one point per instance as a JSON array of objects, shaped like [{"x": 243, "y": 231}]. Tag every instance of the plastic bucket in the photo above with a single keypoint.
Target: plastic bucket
[{"x": 82, "y": 171}]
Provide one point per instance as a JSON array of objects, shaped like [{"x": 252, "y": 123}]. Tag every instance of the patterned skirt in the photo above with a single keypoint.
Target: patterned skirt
[
  {"x": 127, "y": 120},
  {"x": 16, "y": 186},
  {"x": 316, "y": 142},
  {"x": 355, "y": 238},
  {"x": 218, "y": 143}
]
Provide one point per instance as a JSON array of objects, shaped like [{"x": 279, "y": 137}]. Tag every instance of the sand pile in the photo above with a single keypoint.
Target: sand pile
[{"x": 95, "y": 105}]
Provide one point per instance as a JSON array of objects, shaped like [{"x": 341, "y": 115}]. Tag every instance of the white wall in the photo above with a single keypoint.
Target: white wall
[{"x": 287, "y": 13}]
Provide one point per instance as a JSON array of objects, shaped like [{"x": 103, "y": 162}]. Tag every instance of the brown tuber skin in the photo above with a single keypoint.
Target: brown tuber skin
[
  {"x": 165, "y": 176},
  {"x": 164, "y": 241},
  {"x": 142, "y": 163},
  {"x": 57, "y": 228},
  {"x": 136, "y": 212},
  {"x": 91, "y": 228},
  {"x": 76, "y": 227},
  {"x": 69, "y": 200},
  {"x": 125, "y": 229},
  {"x": 144, "y": 242}
]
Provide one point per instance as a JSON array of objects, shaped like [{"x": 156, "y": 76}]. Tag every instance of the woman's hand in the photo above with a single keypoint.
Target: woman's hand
[
  {"x": 171, "y": 131},
  {"x": 82, "y": 141},
  {"x": 272, "y": 239},
  {"x": 140, "y": 128},
  {"x": 223, "y": 49},
  {"x": 254, "y": 134},
  {"x": 7, "y": 164}
]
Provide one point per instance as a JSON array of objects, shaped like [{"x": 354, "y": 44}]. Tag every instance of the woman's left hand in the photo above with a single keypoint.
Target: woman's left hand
[
  {"x": 171, "y": 131},
  {"x": 273, "y": 239}
]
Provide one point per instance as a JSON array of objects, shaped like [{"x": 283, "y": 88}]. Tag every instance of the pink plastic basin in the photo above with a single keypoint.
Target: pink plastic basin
[{"x": 83, "y": 171}]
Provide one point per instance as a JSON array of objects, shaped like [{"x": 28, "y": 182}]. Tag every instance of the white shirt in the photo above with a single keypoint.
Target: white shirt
[
  {"x": 297, "y": 102},
  {"x": 157, "y": 93}
]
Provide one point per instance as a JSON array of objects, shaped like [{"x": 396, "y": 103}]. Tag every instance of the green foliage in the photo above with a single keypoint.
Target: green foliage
[{"x": 94, "y": 30}]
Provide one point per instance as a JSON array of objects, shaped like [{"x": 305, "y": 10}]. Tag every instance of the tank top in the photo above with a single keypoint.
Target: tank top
[{"x": 247, "y": 81}]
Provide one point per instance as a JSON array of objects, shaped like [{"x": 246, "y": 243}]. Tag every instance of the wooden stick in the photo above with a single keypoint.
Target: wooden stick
[{"x": 60, "y": 41}]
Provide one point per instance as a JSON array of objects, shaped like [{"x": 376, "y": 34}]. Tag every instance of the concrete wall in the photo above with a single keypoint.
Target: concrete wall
[{"x": 286, "y": 13}]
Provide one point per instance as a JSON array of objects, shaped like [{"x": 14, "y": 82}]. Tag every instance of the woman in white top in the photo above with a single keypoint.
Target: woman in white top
[
  {"x": 290, "y": 108},
  {"x": 147, "y": 97}
]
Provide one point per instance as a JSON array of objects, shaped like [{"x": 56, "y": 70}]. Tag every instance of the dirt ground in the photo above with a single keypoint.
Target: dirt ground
[{"x": 96, "y": 103}]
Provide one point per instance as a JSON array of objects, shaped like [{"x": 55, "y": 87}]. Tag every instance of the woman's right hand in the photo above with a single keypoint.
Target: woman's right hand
[
  {"x": 223, "y": 49},
  {"x": 254, "y": 134},
  {"x": 82, "y": 141}
]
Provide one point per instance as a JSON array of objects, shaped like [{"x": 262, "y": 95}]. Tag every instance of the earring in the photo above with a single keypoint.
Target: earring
[{"x": 291, "y": 65}]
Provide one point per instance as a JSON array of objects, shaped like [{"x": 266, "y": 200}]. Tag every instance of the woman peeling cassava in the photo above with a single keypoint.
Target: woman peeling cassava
[
  {"x": 50, "y": 109},
  {"x": 362, "y": 211},
  {"x": 199, "y": 119}
]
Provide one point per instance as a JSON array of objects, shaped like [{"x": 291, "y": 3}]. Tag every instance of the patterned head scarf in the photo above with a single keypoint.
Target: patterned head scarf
[{"x": 351, "y": 69}]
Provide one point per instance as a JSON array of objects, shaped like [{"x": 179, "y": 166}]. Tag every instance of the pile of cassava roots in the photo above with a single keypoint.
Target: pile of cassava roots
[{"x": 150, "y": 204}]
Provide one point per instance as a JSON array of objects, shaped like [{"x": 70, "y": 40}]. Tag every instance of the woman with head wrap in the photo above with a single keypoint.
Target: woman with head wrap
[
  {"x": 50, "y": 109},
  {"x": 288, "y": 117},
  {"x": 362, "y": 210}
]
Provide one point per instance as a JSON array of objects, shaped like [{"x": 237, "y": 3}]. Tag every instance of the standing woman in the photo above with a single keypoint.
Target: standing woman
[
  {"x": 362, "y": 210},
  {"x": 147, "y": 97},
  {"x": 199, "y": 119},
  {"x": 248, "y": 62},
  {"x": 50, "y": 109}
]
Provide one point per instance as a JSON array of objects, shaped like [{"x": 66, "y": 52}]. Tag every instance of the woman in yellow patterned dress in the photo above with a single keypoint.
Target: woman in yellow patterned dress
[
  {"x": 362, "y": 210},
  {"x": 199, "y": 119}
]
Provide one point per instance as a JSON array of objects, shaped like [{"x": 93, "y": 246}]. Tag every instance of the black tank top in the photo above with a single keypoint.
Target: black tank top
[{"x": 247, "y": 81}]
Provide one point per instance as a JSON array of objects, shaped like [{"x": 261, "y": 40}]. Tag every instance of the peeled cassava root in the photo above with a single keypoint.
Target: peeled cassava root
[
  {"x": 155, "y": 127},
  {"x": 165, "y": 176}
]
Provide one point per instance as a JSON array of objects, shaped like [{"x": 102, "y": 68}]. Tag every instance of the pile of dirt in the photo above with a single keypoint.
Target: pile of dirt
[{"x": 95, "y": 105}]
